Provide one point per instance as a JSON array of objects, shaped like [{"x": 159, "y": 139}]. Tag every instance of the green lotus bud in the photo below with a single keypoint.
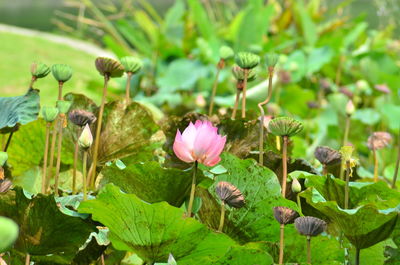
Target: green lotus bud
[
  {"x": 109, "y": 67},
  {"x": 131, "y": 64},
  {"x": 86, "y": 139},
  {"x": 3, "y": 158},
  {"x": 350, "y": 109},
  {"x": 271, "y": 59},
  {"x": 63, "y": 106},
  {"x": 226, "y": 52},
  {"x": 285, "y": 126},
  {"x": 238, "y": 73},
  {"x": 247, "y": 60},
  {"x": 296, "y": 186},
  {"x": 61, "y": 72},
  {"x": 39, "y": 70},
  {"x": 8, "y": 233},
  {"x": 49, "y": 113}
]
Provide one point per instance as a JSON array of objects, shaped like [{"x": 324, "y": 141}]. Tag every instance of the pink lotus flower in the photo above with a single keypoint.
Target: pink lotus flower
[{"x": 199, "y": 142}]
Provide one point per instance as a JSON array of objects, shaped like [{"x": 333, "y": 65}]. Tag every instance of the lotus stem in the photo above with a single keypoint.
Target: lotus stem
[
  {"x": 52, "y": 149},
  {"x": 8, "y": 141},
  {"x": 308, "y": 249},
  {"x": 27, "y": 259},
  {"x": 324, "y": 170},
  {"x": 299, "y": 203},
  {"x": 346, "y": 130},
  {"x": 278, "y": 142},
  {"x": 339, "y": 70},
  {"x": 346, "y": 188},
  {"x": 59, "y": 149},
  {"x": 281, "y": 243},
  {"x": 260, "y": 106},
  {"x": 396, "y": 170},
  {"x": 215, "y": 84},
  {"x": 60, "y": 87},
  {"x": 46, "y": 151},
  {"x": 84, "y": 169},
  {"x": 284, "y": 165},
  {"x": 236, "y": 104},
  {"x": 33, "y": 80},
  {"x": 357, "y": 261},
  {"x": 246, "y": 73},
  {"x": 222, "y": 218},
  {"x": 375, "y": 165},
  {"x": 76, "y": 152},
  {"x": 98, "y": 130},
  {"x": 128, "y": 88},
  {"x": 102, "y": 260},
  {"x": 192, "y": 191}
]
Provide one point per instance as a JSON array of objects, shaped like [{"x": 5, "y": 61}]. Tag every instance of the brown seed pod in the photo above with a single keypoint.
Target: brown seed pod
[
  {"x": 81, "y": 117},
  {"x": 379, "y": 140},
  {"x": 229, "y": 194},
  {"x": 309, "y": 226},
  {"x": 327, "y": 155},
  {"x": 285, "y": 215}
]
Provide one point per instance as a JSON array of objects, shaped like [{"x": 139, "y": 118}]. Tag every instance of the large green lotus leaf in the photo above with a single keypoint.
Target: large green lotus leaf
[
  {"x": 46, "y": 233},
  {"x": 20, "y": 109},
  {"x": 151, "y": 182},
  {"x": 262, "y": 192},
  {"x": 154, "y": 230}
]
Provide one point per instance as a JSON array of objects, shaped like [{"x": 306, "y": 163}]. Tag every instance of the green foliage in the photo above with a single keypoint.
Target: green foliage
[{"x": 8, "y": 233}]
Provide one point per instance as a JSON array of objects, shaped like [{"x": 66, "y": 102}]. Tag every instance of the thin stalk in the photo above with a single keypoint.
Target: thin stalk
[
  {"x": 339, "y": 70},
  {"x": 299, "y": 203},
  {"x": 222, "y": 218},
  {"x": 357, "y": 262},
  {"x": 84, "y": 169},
  {"x": 98, "y": 130},
  {"x": 260, "y": 106},
  {"x": 324, "y": 170},
  {"x": 281, "y": 243},
  {"x": 284, "y": 165},
  {"x": 346, "y": 130},
  {"x": 396, "y": 170},
  {"x": 375, "y": 165},
  {"x": 128, "y": 88},
  {"x": 278, "y": 143},
  {"x": 192, "y": 191},
  {"x": 60, "y": 87},
  {"x": 52, "y": 149},
  {"x": 102, "y": 260},
  {"x": 346, "y": 188},
  {"x": 215, "y": 84},
  {"x": 59, "y": 148},
  {"x": 238, "y": 91},
  {"x": 308, "y": 249},
  {"x": 8, "y": 141},
  {"x": 246, "y": 73},
  {"x": 76, "y": 152},
  {"x": 46, "y": 151},
  {"x": 27, "y": 259},
  {"x": 33, "y": 80}
]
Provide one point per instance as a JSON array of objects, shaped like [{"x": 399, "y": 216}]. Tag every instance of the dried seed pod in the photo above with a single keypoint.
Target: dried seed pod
[
  {"x": 229, "y": 194},
  {"x": 61, "y": 72},
  {"x": 131, "y": 64},
  {"x": 327, "y": 155},
  {"x": 81, "y": 117},
  {"x": 309, "y": 226},
  {"x": 226, "y": 52},
  {"x": 285, "y": 215},
  {"x": 109, "y": 67},
  {"x": 285, "y": 126},
  {"x": 379, "y": 140},
  {"x": 49, "y": 113},
  {"x": 238, "y": 73},
  {"x": 39, "y": 70},
  {"x": 247, "y": 60},
  {"x": 5, "y": 185}
]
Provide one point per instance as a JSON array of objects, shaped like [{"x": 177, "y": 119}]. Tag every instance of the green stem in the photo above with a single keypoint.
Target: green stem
[
  {"x": 246, "y": 73},
  {"x": 236, "y": 104},
  {"x": 128, "y": 88},
  {"x": 396, "y": 170},
  {"x": 222, "y": 218},
  {"x": 214, "y": 89},
  {"x": 346, "y": 130},
  {"x": 375, "y": 165},
  {"x": 281, "y": 243},
  {"x": 299, "y": 203},
  {"x": 46, "y": 151},
  {"x": 76, "y": 152},
  {"x": 357, "y": 262},
  {"x": 60, "y": 87},
  {"x": 346, "y": 188},
  {"x": 84, "y": 169},
  {"x": 192, "y": 191},
  {"x": 59, "y": 148},
  {"x": 52, "y": 149},
  {"x": 308, "y": 249},
  {"x": 284, "y": 165}
]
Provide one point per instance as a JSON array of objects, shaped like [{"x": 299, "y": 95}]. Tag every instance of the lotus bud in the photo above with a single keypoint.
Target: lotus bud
[
  {"x": 49, "y": 113},
  {"x": 379, "y": 140},
  {"x": 81, "y": 117},
  {"x": 296, "y": 186},
  {"x": 346, "y": 152},
  {"x": 247, "y": 60},
  {"x": 383, "y": 88},
  {"x": 271, "y": 59},
  {"x": 285, "y": 215},
  {"x": 238, "y": 73},
  {"x": 86, "y": 139},
  {"x": 131, "y": 64},
  {"x": 3, "y": 158},
  {"x": 39, "y": 70},
  {"x": 229, "y": 194},
  {"x": 109, "y": 67},
  {"x": 61, "y": 72},
  {"x": 226, "y": 52},
  {"x": 285, "y": 126},
  {"x": 309, "y": 226},
  {"x": 63, "y": 106},
  {"x": 327, "y": 155},
  {"x": 350, "y": 109}
]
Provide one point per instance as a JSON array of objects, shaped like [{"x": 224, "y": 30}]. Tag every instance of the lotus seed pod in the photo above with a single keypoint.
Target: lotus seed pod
[
  {"x": 61, "y": 72},
  {"x": 238, "y": 73},
  {"x": 247, "y": 60},
  {"x": 285, "y": 215},
  {"x": 309, "y": 226},
  {"x": 39, "y": 70},
  {"x": 296, "y": 186},
  {"x": 226, "y": 52},
  {"x": 271, "y": 59},
  {"x": 5, "y": 185},
  {"x": 8, "y": 233},
  {"x": 63, "y": 106},
  {"x": 85, "y": 141},
  {"x": 350, "y": 109},
  {"x": 285, "y": 126},
  {"x": 109, "y": 67},
  {"x": 49, "y": 113},
  {"x": 81, "y": 117},
  {"x": 229, "y": 194},
  {"x": 327, "y": 155},
  {"x": 131, "y": 64},
  {"x": 379, "y": 140},
  {"x": 3, "y": 158}
]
